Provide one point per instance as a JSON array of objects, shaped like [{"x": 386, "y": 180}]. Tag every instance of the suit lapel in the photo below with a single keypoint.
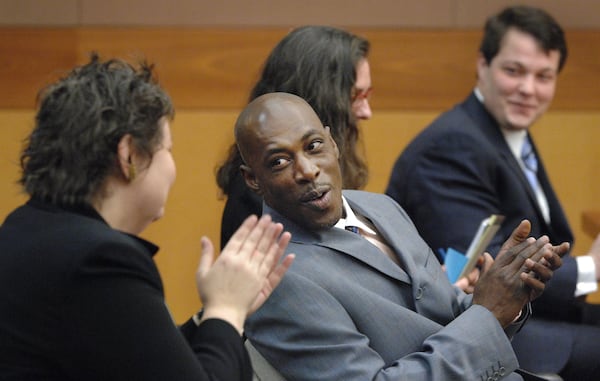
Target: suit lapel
[
  {"x": 490, "y": 129},
  {"x": 344, "y": 242},
  {"x": 382, "y": 221},
  {"x": 355, "y": 246},
  {"x": 559, "y": 227}
]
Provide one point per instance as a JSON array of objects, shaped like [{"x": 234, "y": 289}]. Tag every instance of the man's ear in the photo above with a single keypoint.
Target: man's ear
[
  {"x": 250, "y": 178},
  {"x": 482, "y": 64},
  {"x": 125, "y": 151},
  {"x": 335, "y": 147}
]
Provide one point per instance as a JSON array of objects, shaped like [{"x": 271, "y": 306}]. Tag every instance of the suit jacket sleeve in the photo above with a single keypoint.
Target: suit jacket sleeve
[
  {"x": 308, "y": 334},
  {"x": 122, "y": 322}
]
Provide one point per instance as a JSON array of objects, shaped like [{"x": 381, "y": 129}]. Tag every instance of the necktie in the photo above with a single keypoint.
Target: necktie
[
  {"x": 376, "y": 240},
  {"x": 530, "y": 163},
  {"x": 353, "y": 229},
  {"x": 530, "y": 167}
]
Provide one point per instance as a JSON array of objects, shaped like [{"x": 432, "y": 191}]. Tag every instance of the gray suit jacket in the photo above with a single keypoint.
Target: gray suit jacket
[{"x": 345, "y": 311}]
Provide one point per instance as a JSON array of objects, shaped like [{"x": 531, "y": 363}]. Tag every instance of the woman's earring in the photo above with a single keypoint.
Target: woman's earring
[{"x": 132, "y": 171}]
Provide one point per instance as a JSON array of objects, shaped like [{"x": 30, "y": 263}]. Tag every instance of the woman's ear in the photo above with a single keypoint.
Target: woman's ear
[
  {"x": 125, "y": 152},
  {"x": 250, "y": 178}
]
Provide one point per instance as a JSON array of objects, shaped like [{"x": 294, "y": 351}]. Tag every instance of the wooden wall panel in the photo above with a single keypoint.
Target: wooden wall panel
[
  {"x": 202, "y": 137},
  {"x": 416, "y": 69},
  {"x": 14, "y": 127},
  {"x": 417, "y": 73},
  {"x": 31, "y": 58},
  {"x": 201, "y": 68},
  {"x": 206, "y": 13}
]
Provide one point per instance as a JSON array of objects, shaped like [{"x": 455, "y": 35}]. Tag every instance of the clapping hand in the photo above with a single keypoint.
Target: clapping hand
[{"x": 246, "y": 272}]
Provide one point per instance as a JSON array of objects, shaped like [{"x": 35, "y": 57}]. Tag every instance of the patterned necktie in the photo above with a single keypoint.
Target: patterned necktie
[
  {"x": 530, "y": 167},
  {"x": 531, "y": 164},
  {"x": 353, "y": 229},
  {"x": 376, "y": 241}
]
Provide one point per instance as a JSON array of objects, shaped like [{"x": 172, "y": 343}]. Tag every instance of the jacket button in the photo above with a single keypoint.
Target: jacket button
[{"x": 419, "y": 293}]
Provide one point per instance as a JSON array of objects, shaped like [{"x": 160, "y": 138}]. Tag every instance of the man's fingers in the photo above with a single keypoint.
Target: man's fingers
[
  {"x": 518, "y": 235},
  {"x": 488, "y": 261},
  {"x": 530, "y": 249},
  {"x": 539, "y": 270},
  {"x": 562, "y": 249},
  {"x": 553, "y": 258},
  {"x": 521, "y": 232},
  {"x": 505, "y": 257},
  {"x": 532, "y": 282}
]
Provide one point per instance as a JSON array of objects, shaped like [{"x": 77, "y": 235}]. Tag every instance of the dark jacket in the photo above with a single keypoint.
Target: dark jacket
[
  {"x": 82, "y": 301},
  {"x": 457, "y": 172}
]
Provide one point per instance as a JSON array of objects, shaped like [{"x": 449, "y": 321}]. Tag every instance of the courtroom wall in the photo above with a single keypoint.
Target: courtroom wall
[{"x": 208, "y": 54}]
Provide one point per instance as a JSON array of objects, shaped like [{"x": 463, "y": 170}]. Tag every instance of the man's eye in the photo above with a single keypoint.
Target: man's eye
[
  {"x": 546, "y": 77},
  {"x": 511, "y": 70},
  {"x": 315, "y": 145},
  {"x": 279, "y": 162}
]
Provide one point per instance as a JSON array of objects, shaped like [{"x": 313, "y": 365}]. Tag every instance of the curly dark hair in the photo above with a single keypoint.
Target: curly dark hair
[
  {"x": 317, "y": 63},
  {"x": 80, "y": 120},
  {"x": 533, "y": 21}
]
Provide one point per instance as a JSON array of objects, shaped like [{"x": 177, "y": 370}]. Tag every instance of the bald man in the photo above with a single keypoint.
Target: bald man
[{"x": 372, "y": 303}]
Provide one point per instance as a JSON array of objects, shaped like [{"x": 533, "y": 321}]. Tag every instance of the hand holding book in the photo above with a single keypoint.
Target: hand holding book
[{"x": 458, "y": 265}]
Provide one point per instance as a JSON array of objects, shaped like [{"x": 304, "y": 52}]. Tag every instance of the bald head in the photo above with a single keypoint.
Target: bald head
[
  {"x": 264, "y": 111},
  {"x": 290, "y": 159}
]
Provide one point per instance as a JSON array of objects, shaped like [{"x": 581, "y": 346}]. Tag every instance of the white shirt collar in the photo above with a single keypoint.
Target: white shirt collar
[
  {"x": 478, "y": 94},
  {"x": 351, "y": 219},
  {"x": 514, "y": 138}
]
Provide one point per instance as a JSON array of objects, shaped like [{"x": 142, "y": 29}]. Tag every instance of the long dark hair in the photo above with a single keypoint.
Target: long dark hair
[{"x": 317, "y": 63}]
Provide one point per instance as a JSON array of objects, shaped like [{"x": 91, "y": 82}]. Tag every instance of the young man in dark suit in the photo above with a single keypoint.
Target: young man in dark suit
[{"x": 479, "y": 159}]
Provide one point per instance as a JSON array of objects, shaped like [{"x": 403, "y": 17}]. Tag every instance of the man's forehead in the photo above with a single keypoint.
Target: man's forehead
[
  {"x": 287, "y": 116},
  {"x": 286, "y": 131},
  {"x": 278, "y": 118}
]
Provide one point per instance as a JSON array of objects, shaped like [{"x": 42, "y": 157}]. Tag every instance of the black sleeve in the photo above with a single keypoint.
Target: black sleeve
[
  {"x": 241, "y": 203},
  {"x": 117, "y": 327}
]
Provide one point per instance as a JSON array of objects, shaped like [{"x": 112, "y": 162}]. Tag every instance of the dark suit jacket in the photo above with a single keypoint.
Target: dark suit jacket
[
  {"x": 241, "y": 203},
  {"x": 457, "y": 172},
  {"x": 345, "y": 311},
  {"x": 81, "y": 301}
]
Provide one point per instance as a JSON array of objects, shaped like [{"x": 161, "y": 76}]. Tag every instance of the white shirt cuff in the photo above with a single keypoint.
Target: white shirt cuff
[{"x": 586, "y": 275}]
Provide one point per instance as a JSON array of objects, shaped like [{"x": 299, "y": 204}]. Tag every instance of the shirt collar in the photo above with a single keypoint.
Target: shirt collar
[
  {"x": 514, "y": 138},
  {"x": 478, "y": 94},
  {"x": 351, "y": 219}
]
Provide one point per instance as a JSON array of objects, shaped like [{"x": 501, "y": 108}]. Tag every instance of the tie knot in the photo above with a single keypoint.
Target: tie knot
[
  {"x": 528, "y": 156},
  {"x": 353, "y": 229}
]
